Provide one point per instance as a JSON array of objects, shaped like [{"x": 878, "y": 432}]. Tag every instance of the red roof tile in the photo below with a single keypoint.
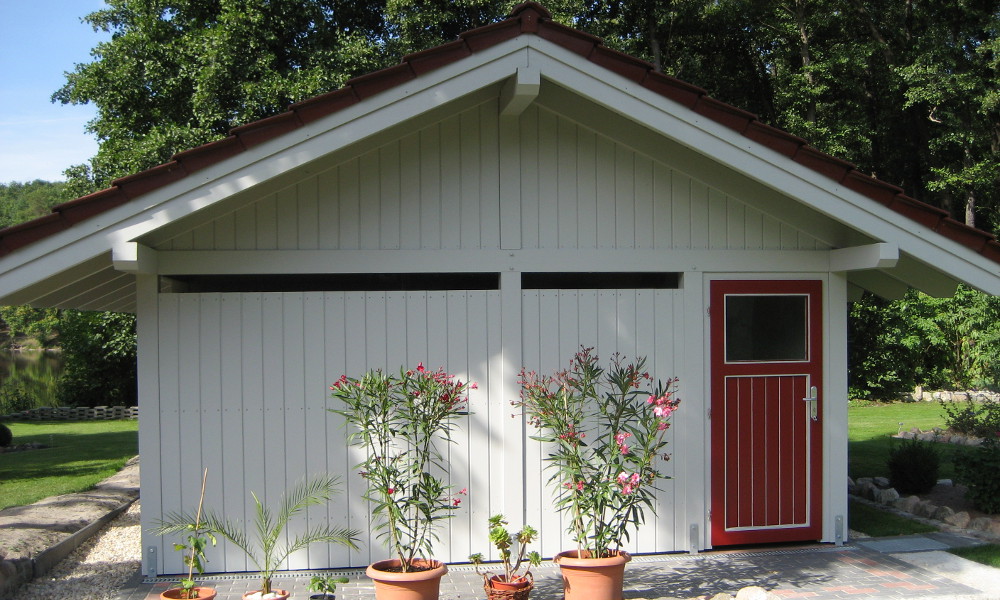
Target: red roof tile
[{"x": 526, "y": 18}]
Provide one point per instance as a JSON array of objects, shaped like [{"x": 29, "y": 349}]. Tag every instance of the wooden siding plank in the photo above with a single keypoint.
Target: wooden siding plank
[
  {"x": 452, "y": 310},
  {"x": 224, "y": 237},
  {"x": 228, "y": 474},
  {"x": 605, "y": 193},
  {"x": 208, "y": 317},
  {"x": 567, "y": 193},
  {"x": 389, "y": 198},
  {"x": 644, "y": 210},
  {"x": 267, "y": 224},
  {"x": 344, "y": 511},
  {"x": 471, "y": 174},
  {"x": 586, "y": 175},
  {"x": 662, "y": 205},
  {"x": 718, "y": 219},
  {"x": 430, "y": 187},
  {"x": 307, "y": 213},
  {"x": 148, "y": 371},
  {"x": 624, "y": 197},
  {"x": 292, "y": 363},
  {"x": 451, "y": 183},
  {"x": 348, "y": 195},
  {"x": 246, "y": 228},
  {"x": 409, "y": 197},
  {"x": 548, "y": 183},
  {"x": 169, "y": 450},
  {"x": 203, "y": 237},
  {"x": 272, "y": 433},
  {"x": 369, "y": 205},
  {"x": 530, "y": 177},
  {"x": 736, "y": 217},
  {"x": 681, "y": 229},
  {"x": 754, "y": 238},
  {"x": 286, "y": 206},
  {"x": 328, "y": 198},
  {"x": 489, "y": 175},
  {"x": 316, "y": 398}
]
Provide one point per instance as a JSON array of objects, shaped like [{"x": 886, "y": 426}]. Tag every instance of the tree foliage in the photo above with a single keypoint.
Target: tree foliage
[
  {"x": 100, "y": 359},
  {"x": 21, "y": 202}
]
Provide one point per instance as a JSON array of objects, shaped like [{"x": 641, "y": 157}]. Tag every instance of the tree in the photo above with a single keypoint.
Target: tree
[
  {"x": 100, "y": 359},
  {"x": 21, "y": 202},
  {"x": 180, "y": 73}
]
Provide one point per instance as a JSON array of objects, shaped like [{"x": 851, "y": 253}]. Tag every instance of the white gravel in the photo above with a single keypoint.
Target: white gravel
[{"x": 97, "y": 569}]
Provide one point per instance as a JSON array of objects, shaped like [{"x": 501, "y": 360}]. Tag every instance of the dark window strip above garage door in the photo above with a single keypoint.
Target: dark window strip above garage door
[
  {"x": 600, "y": 281},
  {"x": 342, "y": 282}
]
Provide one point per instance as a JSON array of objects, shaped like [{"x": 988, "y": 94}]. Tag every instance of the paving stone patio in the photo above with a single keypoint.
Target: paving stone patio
[{"x": 820, "y": 572}]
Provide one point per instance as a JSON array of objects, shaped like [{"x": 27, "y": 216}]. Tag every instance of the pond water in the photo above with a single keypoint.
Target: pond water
[{"x": 37, "y": 371}]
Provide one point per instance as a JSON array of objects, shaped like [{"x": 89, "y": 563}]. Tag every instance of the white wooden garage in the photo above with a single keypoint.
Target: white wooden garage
[{"x": 487, "y": 205}]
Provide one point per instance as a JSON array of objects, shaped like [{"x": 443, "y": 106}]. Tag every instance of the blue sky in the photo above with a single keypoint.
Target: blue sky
[{"x": 39, "y": 41}]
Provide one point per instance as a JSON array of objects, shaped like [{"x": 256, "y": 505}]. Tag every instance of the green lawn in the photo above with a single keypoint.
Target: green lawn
[
  {"x": 879, "y": 523},
  {"x": 80, "y": 455},
  {"x": 988, "y": 555},
  {"x": 870, "y": 428}
]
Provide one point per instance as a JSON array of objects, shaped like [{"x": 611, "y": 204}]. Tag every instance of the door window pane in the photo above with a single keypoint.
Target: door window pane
[{"x": 766, "y": 328}]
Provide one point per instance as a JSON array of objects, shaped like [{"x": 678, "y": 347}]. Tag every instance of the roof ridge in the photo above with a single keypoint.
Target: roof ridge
[{"x": 527, "y": 17}]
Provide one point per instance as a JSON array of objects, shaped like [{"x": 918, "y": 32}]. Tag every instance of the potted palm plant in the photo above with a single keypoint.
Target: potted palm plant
[
  {"x": 607, "y": 482},
  {"x": 324, "y": 586},
  {"x": 265, "y": 545},
  {"x": 401, "y": 421},
  {"x": 196, "y": 538},
  {"x": 510, "y": 584}
]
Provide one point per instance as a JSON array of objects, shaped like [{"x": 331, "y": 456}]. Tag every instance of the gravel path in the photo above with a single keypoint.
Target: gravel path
[{"x": 97, "y": 569}]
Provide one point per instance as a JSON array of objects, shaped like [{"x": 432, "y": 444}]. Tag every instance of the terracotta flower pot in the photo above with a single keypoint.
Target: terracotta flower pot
[
  {"x": 280, "y": 594},
  {"x": 497, "y": 588},
  {"x": 498, "y": 582},
  {"x": 204, "y": 593},
  {"x": 592, "y": 578},
  {"x": 415, "y": 585}
]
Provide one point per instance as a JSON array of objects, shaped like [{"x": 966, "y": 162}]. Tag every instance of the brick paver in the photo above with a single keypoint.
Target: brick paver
[{"x": 822, "y": 572}]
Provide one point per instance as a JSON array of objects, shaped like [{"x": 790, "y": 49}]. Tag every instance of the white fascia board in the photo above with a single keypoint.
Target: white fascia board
[
  {"x": 761, "y": 164},
  {"x": 259, "y": 164},
  {"x": 133, "y": 257},
  {"x": 873, "y": 256},
  {"x": 260, "y": 262}
]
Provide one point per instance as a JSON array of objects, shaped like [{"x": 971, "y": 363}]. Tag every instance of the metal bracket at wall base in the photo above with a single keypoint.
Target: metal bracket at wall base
[
  {"x": 838, "y": 529},
  {"x": 695, "y": 540},
  {"x": 151, "y": 561}
]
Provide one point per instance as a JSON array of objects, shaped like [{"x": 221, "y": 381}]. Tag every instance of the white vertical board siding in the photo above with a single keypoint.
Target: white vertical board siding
[
  {"x": 244, "y": 388},
  {"x": 438, "y": 188},
  {"x": 583, "y": 190},
  {"x": 635, "y": 323},
  {"x": 434, "y": 188}
]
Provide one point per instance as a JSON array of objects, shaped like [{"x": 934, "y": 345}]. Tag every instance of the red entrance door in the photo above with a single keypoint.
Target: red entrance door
[{"x": 766, "y": 434}]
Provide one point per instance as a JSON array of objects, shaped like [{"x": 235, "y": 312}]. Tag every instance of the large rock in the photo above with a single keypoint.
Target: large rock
[
  {"x": 925, "y": 508},
  {"x": 981, "y": 523},
  {"x": 944, "y": 513},
  {"x": 886, "y": 496},
  {"x": 907, "y": 504},
  {"x": 752, "y": 593},
  {"x": 959, "y": 519},
  {"x": 882, "y": 482}
]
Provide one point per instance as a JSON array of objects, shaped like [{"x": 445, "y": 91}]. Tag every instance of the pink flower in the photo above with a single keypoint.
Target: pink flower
[
  {"x": 662, "y": 411},
  {"x": 420, "y": 367},
  {"x": 390, "y": 490},
  {"x": 456, "y": 501},
  {"x": 662, "y": 425},
  {"x": 473, "y": 386}
]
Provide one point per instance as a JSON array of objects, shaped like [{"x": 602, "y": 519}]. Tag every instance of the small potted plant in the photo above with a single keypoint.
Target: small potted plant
[
  {"x": 510, "y": 584},
  {"x": 401, "y": 421},
  {"x": 324, "y": 586},
  {"x": 193, "y": 547},
  {"x": 606, "y": 482},
  {"x": 266, "y": 547}
]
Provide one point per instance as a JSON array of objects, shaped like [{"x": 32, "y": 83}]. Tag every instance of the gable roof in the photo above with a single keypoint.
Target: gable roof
[{"x": 527, "y": 18}]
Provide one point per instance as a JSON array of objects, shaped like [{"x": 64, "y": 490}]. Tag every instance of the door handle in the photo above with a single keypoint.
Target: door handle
[{"x": 813, "y": 403}]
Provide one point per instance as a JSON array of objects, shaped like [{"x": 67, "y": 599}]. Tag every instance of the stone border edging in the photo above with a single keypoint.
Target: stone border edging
[
  {"x": 875, "y": 491},
  {"x": 75, "y": 413},
  {"x": 16, "y": 572}
]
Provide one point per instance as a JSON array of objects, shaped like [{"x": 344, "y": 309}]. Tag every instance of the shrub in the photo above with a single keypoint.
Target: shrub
[
  {"x": 14, "y": 397},
  {"x": 6, "y": 437},
  {"x": 913, "y": 467},
  {"x": 981, "y": 419},
  {"x": 979, "y": 470}
]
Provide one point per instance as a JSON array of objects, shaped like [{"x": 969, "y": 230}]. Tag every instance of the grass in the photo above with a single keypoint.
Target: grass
[
  {"x": 880, "y": 523},
  {"x": 80, "y": 455},
  {"x": 870, "y": 429},
  {"x": 988, "y": 554}
]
